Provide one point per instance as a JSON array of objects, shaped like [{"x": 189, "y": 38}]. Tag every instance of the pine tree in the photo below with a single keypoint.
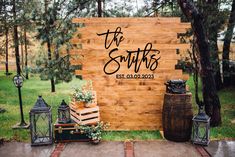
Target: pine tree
[
  {"x": 55, "y": 29},
  {"x": 5, "y": 26}
]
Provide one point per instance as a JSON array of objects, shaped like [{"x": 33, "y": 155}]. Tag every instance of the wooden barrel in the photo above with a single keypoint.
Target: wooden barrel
[{"x": 177, "y": 117}]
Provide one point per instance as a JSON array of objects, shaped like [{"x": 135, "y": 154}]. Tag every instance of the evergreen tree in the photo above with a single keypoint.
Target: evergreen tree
[
  {"x": 54, "y": 28},
  {"x": 5, "y": 27},
  {"x": 26, "y": 26}
]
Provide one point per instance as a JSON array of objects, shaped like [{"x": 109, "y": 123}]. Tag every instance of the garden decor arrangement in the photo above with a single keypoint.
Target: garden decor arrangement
[
  {"x": 85, "y": 122},
  {"x": 93, "y": 131},
  {"x": 74, "y": 123},
  {"x": 83, "y": 97},
  {"x": 177, "y": 112},
  {"x": 83, "y": 108}
]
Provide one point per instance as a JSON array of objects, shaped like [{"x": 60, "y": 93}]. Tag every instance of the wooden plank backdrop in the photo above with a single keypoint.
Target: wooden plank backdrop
[{"x": 129, "y": 104}]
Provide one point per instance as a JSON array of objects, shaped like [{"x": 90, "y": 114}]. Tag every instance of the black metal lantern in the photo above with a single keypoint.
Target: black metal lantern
[
  {"x": 18, "y": 81},
  {"x": 201, "y": 128},
  {"x": 40, "y": 123},
  {"x": 63, "y": 113}
]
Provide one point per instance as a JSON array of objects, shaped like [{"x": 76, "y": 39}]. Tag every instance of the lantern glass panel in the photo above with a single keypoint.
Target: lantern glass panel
[
  {"x": 201, "y": 133},
  {"x": 64, "y": 116},
  {"x": 64, "y": 113},
  {"x": 68, "y": 114},
  {"x": 41, "y": 128}
]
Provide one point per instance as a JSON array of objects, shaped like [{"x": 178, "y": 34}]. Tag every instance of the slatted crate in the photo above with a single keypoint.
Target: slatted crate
[{"x": 85, "y": 116}]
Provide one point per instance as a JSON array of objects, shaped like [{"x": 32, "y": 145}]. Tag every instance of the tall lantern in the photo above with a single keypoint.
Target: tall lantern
[
  {"x": 63, "y": 113},
  {"x": 201, "y": 128},
  {"x": 40, "y": 123}
]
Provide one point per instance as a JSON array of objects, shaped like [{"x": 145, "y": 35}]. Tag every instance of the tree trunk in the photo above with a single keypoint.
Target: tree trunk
[
  {"x": 7, "y": 39},
  {"x": 49, "y": 58},
  {"x": 226, "y": 47},
  {"x": 16, "y": 40},
  {"x": 22, "y": 50},
  {"x": 26, "y": 54},
  {"x": 99, "y": 8},
  {"x": 6, "y": 46},
  {"x": 49, "y": 47},
  {"x": 57, "y": 55},
  {"x": 210, "y": 97},
  {"x": 212, "y": 24}
]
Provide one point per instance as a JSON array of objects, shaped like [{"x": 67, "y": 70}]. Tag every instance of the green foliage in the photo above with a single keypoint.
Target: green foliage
[
  {"x": 59, "y": 69},
  {"x": 94, "y": 132},
  {"x": 55, "y": 29},
  {"x": 83, "y": 95}
]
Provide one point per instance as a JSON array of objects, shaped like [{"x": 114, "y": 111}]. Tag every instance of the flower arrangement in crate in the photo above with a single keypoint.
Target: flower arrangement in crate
[
  {"x": 84, "y": 96},
  {"x": 94, "y": 132}
]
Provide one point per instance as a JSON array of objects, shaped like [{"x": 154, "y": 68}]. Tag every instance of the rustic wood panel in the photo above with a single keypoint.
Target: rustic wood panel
[
  {"x": 126, "y": 20},
  {"x": 129, "y": 104}
]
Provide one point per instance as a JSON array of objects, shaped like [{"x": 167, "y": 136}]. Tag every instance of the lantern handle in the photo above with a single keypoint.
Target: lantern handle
[{"x": 201, "y": 106}]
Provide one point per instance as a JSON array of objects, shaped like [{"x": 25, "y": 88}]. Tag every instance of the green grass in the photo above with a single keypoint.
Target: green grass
[
  {"x": 34, "y": 87},
  {"x": 227, "y": 100},
  {"x": 131, "y": 135},
  {"x": 30, "y": 91}
]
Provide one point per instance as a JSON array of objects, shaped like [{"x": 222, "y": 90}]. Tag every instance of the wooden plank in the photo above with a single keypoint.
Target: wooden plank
[
  {"x": 98, "y": 40},
  {"x": 126, "y": 20},
  {"x": 151, "y": 27},
  {"x": 122, "y": 88},
  {"x": 105, "y": 58},
  {"x": 148, "y": 24},
  {"x": 129, "y": 34},
  {"x": 134, "y": 47},
  {"x": 103, "y": 52},
  {"x": 127, "y": 71},
  {"x": 93, "y": 115},
  {"x": 128, "y": 38}
]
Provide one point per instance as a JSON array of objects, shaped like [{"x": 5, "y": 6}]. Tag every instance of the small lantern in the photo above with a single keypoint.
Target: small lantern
[
  {"x": 201, "y": 128},
  {"x": 40, "y": 123},
  {"x": 18, "y": 81},
  {"x": 64, "y": 113}
]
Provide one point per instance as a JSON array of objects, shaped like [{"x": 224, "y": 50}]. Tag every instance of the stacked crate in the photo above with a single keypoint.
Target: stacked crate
[{"x": 83, "y": 115}]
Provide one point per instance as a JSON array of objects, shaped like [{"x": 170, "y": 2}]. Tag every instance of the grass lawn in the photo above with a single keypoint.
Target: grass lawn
[
  {"x": 34, "y": 87},
  {"x": 31, "y": 89},
  {"x": 227, "y": 100}
]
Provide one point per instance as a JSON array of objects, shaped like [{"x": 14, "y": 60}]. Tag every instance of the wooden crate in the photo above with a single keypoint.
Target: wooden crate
[{"x": 84, "y": 116}]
